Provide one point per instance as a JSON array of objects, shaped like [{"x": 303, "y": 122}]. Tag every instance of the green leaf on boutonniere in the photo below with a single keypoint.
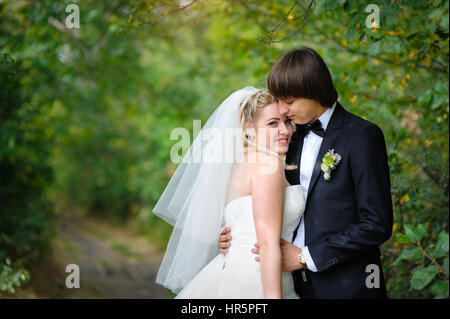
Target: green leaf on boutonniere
[{"x": 328, "y": 160}]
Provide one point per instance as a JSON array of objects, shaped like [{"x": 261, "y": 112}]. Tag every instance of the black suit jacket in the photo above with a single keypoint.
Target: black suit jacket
[{"x": 348, "y": 217}]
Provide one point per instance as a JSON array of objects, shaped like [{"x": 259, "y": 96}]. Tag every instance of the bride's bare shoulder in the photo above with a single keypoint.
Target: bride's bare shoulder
[
  {"x": 255, "y": 159},
  {"x": 262, "y": 164}
]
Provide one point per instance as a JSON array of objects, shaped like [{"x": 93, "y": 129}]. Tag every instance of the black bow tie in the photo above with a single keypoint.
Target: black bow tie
[{"x": 316, "y": 127}]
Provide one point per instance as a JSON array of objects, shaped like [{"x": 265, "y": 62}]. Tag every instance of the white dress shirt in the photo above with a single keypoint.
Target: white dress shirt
[{"x": 310, "y": 150}]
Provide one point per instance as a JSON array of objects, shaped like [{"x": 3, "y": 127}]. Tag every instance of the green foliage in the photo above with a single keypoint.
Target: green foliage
[
  {"x": 11, "y": 278},
  {"x": 431, "y": 263},
  {"x": 24, "y": 175}
]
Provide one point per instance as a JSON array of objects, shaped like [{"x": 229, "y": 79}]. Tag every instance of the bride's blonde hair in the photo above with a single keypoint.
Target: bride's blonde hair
[{"x": 251, "y": 108}]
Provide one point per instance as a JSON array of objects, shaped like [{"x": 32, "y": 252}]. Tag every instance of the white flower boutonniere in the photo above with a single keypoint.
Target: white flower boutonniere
[{"x": 329, "y": 162}]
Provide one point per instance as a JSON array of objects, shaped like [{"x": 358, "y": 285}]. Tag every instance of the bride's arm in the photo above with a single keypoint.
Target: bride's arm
[{"x": 267, "y": 200}]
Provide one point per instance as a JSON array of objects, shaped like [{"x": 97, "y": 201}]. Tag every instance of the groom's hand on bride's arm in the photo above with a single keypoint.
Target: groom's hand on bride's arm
[
  {"x": 224, "y": 240},
  {"x": 289, "y": 256}
]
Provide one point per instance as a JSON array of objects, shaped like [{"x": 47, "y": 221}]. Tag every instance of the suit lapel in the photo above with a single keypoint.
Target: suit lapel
[{"x": 331, "y": 134}]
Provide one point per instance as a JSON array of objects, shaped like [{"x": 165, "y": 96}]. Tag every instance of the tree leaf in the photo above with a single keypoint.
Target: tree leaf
[
  {"x": 423, "y": 276},
  {"x": 403, "y": 239},
  {"x": 414, "y": 233},
  {"x": 425, "y": 98},
  {"x": 439, "y": 288},
  {"x": 438, "y": 100},
  {"x": 351, "y": 35},
  {"x": 443, "y": 23},
  {"x": 445, "y": 265},
  {"x": 374, "y": 48},
  {"x": 409, "y": 253},
  {"x": 441, "y": 246}
]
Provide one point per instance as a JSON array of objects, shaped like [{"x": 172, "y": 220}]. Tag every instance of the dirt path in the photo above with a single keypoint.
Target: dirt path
[{"x": 113, "y": 263}]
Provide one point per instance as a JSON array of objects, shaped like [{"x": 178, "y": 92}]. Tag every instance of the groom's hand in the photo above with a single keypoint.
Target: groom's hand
[
  {"x": 224, "y": 240},
  {"x": 289, "y": 257},
  {"x": 289, "y": 253}
]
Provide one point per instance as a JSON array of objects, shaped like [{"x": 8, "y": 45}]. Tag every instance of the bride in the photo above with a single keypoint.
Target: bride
[{"x": 238, "y": 181}]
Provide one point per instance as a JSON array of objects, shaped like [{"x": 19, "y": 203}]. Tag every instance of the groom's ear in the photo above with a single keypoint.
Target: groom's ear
[{"x": 302, "y": 73}]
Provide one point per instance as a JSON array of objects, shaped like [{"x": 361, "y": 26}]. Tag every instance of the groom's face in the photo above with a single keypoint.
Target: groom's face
[{"x": 300, "y": 110}]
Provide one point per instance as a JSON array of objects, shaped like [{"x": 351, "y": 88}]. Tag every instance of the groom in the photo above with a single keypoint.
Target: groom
[{"x": 335, "y": 250}]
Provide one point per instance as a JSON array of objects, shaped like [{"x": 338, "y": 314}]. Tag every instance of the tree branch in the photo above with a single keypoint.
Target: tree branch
[
  {"x": 269, "y": 39},
  {"x": 171, "y": 12},
  {"x": 428, "y": 173},
  {"x": 441, "y": 269}
]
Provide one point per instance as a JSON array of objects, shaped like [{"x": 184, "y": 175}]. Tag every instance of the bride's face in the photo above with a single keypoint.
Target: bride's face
[{"x": 273, "y": 130}]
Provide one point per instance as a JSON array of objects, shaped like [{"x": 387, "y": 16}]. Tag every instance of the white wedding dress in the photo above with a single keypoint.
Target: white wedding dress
[{"x": 237, "y": 275}]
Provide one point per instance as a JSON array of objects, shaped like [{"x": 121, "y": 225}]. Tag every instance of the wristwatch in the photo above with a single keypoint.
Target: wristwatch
[{"x": 301, "y": 258}]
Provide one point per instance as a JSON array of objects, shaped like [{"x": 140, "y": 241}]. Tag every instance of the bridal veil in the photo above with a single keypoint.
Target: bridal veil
[{"x": 194, "y": 200}]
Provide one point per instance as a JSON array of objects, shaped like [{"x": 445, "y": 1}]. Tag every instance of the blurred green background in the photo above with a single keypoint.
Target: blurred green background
[{"x": 86, "y": 115}]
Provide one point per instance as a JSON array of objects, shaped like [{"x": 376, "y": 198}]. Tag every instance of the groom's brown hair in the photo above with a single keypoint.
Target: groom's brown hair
[{"x": 302, "y": 73}]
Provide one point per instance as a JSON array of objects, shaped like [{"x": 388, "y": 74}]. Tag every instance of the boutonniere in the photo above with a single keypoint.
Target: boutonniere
[{"x": 329, "y": 162}]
